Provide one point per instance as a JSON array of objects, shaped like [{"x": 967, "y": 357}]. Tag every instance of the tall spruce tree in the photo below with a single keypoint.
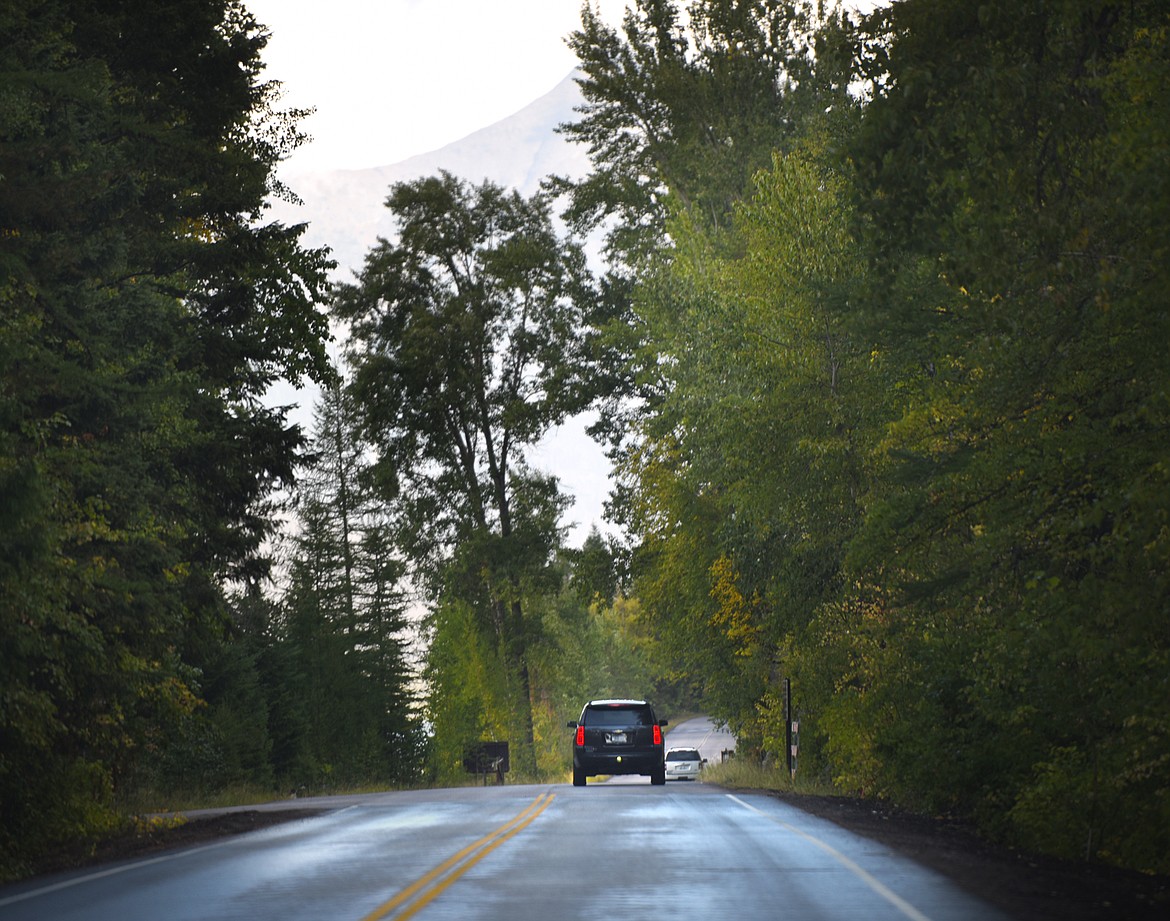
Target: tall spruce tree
[
  {"x": 145, "y": 308},
  {"x": 344, "y": 619}
]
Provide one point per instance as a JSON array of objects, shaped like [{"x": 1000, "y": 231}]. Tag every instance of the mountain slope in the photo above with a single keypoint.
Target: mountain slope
[{"x": 345, "y": 208}]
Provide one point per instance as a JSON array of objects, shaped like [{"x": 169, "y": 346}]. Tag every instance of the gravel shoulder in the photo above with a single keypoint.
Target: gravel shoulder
[{"x": 1025, "y": 887}]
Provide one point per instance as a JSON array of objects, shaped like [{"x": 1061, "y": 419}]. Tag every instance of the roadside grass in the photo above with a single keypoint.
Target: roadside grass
[
  {"x": 153, "y": 803},
  {"x": 742, "y": 774}
]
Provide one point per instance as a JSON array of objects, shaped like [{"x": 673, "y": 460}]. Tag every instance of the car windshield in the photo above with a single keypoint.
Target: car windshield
[
  {"x": 618, "y": 716},
  {"x": 690, "y": 755}
]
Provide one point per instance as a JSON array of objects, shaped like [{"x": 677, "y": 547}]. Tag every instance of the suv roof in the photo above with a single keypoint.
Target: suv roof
[{"x": 616, "y": 701}]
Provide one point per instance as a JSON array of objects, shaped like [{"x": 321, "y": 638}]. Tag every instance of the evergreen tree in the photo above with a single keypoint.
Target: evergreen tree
[
  {"x": 344, "y": 620},
  {"x": 145, "y": 308}
]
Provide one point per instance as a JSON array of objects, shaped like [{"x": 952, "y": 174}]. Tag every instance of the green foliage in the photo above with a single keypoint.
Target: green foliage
[
  {"x": 882, "y": 367},
  {"x": 145, "y": 310},
  {"x": 746, "y": 774},
  {"x": 466, "y": 351},
  {"x": 901, "y": 421},
  {"x": 82, "y": 811},
  {"x": 1022, "y": 470},
  {"x": 748, "y": 403},
  {"x": 576, "y": 652},
  {"x": 687, "y": 101},
  {"x": 469, "y": 697},
  {"x": 341, "y": 632},
  {"x": 605, "y": 649},
  {"x": 752, "y": 461},
  {"x": 595, "y": 574}
]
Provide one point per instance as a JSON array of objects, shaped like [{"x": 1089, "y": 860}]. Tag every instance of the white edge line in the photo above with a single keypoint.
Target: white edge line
[
  {"x": 122, "y": 868},
  {"x": 112, "y": 871},
  {"x": 893, "y": 898}
]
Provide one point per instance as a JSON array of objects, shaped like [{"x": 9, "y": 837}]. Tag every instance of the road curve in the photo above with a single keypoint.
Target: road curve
[{"x": 542, "y": 852}]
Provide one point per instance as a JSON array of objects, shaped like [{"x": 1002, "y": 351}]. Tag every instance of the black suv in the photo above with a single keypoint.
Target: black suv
[{"x": 618, "y": 737}]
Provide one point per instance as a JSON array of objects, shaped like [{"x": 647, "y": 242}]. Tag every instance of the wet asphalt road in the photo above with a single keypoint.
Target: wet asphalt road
[{"x": 613, "y": 850}]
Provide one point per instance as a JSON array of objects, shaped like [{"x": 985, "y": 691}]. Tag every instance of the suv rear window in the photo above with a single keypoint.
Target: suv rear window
[
  {"x": 618, "y": 716},
  {"x": 683, "y": 755}
]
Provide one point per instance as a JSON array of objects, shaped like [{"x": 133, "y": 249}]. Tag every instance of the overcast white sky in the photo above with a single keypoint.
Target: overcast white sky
[{"x": 394, "y": 78}]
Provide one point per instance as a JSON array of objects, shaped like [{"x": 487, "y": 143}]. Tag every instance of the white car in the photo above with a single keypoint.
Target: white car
[{"x": 683, "y": 764}]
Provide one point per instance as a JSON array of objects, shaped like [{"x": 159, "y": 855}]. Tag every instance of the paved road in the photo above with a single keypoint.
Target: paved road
[
  {"x": 544, "y": 853},
  {"x": 702, "y": 734},
  {"x": 699, "y": 733}
]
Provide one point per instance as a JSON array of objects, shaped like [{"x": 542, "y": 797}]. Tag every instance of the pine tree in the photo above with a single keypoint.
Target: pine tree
[
  {"x": 344, "y": 621},
  {"x": 145, "y": 308}
]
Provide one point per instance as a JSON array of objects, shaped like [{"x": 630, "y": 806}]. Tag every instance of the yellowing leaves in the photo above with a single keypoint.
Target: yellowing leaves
[{"x": 735, "y": 615}]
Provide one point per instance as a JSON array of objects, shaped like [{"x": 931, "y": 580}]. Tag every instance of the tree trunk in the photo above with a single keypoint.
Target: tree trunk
[{"x": 527, "y": 755}]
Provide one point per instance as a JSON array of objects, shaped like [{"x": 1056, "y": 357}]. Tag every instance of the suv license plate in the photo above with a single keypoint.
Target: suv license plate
[{"x": 615, "y": 738}]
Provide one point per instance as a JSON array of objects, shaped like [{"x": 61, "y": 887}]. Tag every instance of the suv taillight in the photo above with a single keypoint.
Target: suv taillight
[
  {"x": 657, "y": 734},
  {"x": 580, "y": 735}
]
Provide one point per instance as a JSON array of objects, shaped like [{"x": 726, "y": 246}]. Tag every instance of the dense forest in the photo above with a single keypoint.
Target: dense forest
[
  {"x": 893, "y": 420},
  {"x": 877, "y": 351}
]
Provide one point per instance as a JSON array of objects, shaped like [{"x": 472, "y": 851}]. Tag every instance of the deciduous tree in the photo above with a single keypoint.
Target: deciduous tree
[
  {"x": 467, "y": 347},
  {"x": 1023, "y": 483}
]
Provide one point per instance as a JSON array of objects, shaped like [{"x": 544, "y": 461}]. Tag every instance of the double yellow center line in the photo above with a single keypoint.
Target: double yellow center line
[{"x": 427, "y": 888}]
